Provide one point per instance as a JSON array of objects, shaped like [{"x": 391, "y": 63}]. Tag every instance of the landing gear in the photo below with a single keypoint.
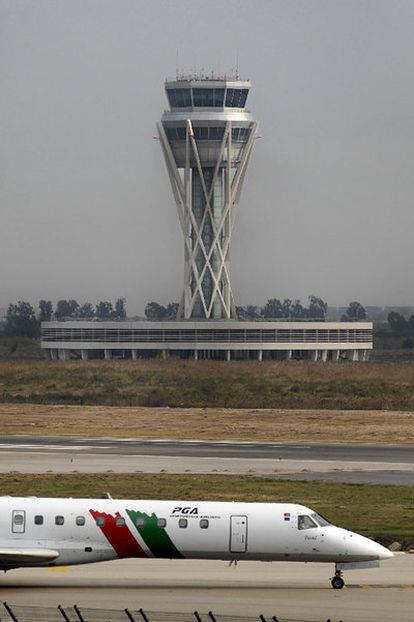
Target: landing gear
[{"x": 337, "y": 581}]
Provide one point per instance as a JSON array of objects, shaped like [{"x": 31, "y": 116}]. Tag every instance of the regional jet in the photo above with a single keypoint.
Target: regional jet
[{"x": 37, "y": 532}]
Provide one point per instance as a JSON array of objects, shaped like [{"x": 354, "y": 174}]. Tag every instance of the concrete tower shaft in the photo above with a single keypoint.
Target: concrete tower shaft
[{"x": 207, "y": 138}]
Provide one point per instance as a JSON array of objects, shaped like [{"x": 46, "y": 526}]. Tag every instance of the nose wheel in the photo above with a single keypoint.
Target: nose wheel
[{"x": 337, "y": 581}]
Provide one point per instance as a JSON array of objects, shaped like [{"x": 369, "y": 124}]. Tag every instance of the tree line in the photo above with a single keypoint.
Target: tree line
[
  {"x": 273, "y": 309},
  {"x": 288, "y": 309},
  {"x": 400, "y": 326},
  {"x": 23, "y": 319}
]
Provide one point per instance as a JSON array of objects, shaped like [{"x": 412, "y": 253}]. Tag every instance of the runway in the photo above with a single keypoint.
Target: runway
[
  {"x": 223, "y": 449},
  {"x": 392, "y": 464},
  {"x": 286, "y": 590}
]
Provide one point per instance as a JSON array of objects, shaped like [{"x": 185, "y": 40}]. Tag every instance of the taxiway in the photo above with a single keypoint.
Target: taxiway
[
  {"x": 287, "y": 590},
  {"x": 392, "y": 464}
]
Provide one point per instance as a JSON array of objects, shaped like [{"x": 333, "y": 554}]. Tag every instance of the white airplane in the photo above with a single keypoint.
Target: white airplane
[{"x": 59, "y": 532}]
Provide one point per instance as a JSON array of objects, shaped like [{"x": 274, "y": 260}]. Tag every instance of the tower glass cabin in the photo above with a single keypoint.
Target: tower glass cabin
[{"x": 207, "y": 137}]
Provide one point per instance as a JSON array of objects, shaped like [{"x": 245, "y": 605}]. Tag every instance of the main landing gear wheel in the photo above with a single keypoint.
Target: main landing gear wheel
[{"x": 337, "y": 582}]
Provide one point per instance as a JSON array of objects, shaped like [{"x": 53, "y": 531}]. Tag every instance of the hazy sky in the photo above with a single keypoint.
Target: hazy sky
[{"x": 86, "y": 210}]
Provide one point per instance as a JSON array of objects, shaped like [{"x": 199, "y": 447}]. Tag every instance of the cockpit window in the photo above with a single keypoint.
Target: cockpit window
[
  {"x": 306, "y": 522},
  {"x": 322, "y": 522}
]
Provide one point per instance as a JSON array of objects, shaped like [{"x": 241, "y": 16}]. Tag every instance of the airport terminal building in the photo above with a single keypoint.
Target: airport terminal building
[
  {"x": 207, "y": 137},
  {"x": 221, "y": 340}
]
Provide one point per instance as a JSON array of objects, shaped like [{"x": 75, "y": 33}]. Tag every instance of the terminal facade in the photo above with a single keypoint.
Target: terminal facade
[
  {"x": 221, "y": 340},
  {"x": 207, "y": 137}
]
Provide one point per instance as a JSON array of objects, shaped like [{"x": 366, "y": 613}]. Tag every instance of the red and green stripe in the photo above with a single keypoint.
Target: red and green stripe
[
  {"x": 156, "y": 538},
  {"x": 119, "y": 536}
]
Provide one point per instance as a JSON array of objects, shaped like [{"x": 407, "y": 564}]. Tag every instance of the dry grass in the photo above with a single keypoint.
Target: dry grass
[
  {"x": 183, "y": 399},
  {"x": 383, "y": 512},
  {"x": 213, "y": 423},
  {"x": 189, "y": 384}
]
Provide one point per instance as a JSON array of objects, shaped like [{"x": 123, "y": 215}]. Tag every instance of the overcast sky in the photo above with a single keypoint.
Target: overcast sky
[{"x": 86, "y": 210}]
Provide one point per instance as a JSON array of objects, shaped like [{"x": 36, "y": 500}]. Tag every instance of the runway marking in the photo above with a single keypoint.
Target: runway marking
[
  {"x": 9, "y": 446},
  {"x": 57, "y": 569},
  {"x": 379, "y": 586}
]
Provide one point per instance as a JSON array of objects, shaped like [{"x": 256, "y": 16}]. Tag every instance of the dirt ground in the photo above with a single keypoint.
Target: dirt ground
[{"x": 209, "y": 423}]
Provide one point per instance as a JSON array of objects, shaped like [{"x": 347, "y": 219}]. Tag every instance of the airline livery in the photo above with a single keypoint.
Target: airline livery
[{"x": 58, "y": 532}]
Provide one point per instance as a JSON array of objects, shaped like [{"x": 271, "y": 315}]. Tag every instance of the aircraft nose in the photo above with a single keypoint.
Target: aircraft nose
[
  {"x": 385, "y": 553},
  {"x": 364, "y": 547}
]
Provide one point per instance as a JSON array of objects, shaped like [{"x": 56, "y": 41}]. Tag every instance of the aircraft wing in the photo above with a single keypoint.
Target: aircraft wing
[{"x": 26, "y": 556}]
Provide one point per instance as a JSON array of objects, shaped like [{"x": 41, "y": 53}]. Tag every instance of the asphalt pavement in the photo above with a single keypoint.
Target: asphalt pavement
[
  {"x": 290, "y": 591},
  {"x": 221, "y": 449},
  {"x": 377, "y": 464}
]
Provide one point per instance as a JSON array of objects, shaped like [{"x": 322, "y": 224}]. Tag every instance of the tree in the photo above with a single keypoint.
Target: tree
[
  {"x": 46, "y": 310},
  {"x": 120, "y": 311},
  {"x": 21, "y": 320},
  {"x": 273, "y": 308},
  {"x": 297, "y": 311},
  {"x": 155, "y": 311},
  {"x": 355, "y": 312},
  {"x": 398, "y": 323},
  {"x": 241, "y": 313},
  {"x": 287, "y": 308},
  {"x": 66, "y": 308},
  {"x": 249, "y": 312},
  {"x": 104, "y": 310},
  {"x": 253, "y": 312},
  {"x": 317, "y": 308},
  {"x": 86, "y": 311},
  {"x": 411, "y": 325},
  {"x": 171, "y": 311}
]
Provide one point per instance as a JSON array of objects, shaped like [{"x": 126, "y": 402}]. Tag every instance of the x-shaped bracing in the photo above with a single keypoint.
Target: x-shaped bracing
[{"x": 222, "y": 230}]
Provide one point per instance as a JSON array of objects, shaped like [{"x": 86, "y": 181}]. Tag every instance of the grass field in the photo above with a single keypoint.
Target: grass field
[
  {"x": 209, "y": 423},
  {"x": 189, "y": 384},
  {"x": 383, "y": 512}
]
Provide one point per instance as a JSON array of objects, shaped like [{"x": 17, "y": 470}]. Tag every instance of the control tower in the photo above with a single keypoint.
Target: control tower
[{"x": 207, "y": 137}]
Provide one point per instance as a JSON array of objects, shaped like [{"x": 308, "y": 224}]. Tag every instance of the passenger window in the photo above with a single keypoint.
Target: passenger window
[
  {"x": 140, "y": 522},
  {"x": 305, "y": 522},
  {"x": 183, "y": 522},
  {"x": 204, "y": 523},
  {"x": 59, "y": 520},
  {"x": 100, "y": 521},
  {"x": 80, "y": 521},
  {"x": 120, "y": 521},
  {"x": 18, "y": 519},
  {"x": 38, "y": 520},
  {"x": 162, "y": 523}
]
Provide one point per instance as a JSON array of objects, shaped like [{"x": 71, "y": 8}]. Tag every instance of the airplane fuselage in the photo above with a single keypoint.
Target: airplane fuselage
[{"x": 54, "y": 532}]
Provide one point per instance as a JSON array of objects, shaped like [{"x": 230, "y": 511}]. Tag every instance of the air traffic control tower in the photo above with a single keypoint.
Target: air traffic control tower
[{"x": 207, "y": 138}]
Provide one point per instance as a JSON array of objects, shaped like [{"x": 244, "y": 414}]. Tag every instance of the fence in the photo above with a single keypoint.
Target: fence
[{"x": 20, "y": 613}]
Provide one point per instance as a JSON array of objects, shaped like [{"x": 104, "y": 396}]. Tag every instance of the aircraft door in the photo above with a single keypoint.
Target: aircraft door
[
  {"x": 18, "y": 521},
  {"x": 238, "y": 534}
]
